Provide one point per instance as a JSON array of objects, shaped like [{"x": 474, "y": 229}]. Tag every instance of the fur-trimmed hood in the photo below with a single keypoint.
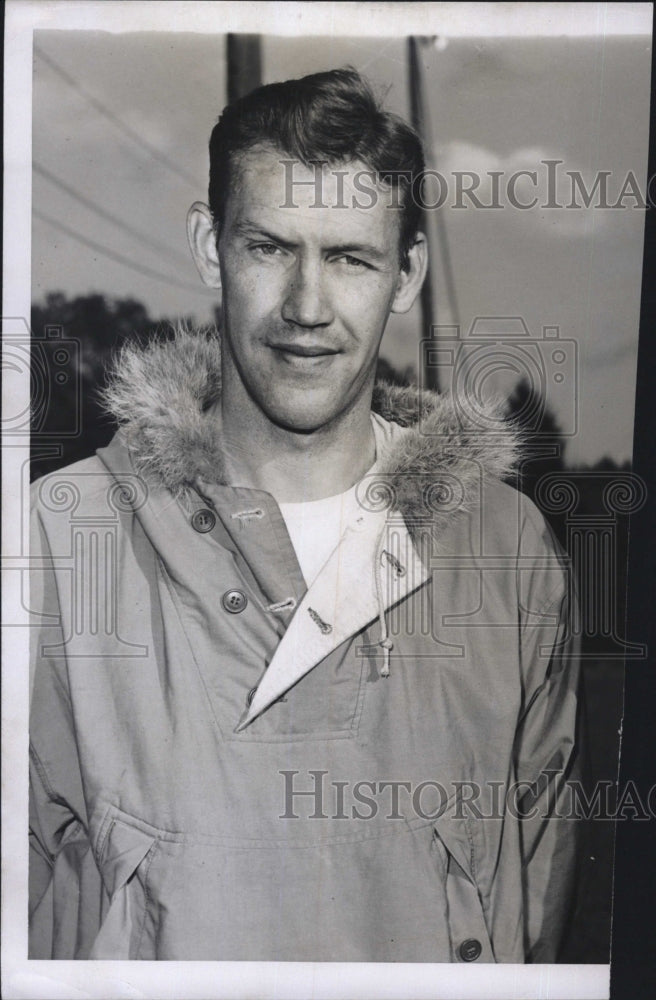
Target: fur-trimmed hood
[{"x": 161, "y": 395}]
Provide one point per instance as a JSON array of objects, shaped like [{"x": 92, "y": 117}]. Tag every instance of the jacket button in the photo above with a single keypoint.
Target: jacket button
[
  {"x": 203, "y": 520},
  {"x": 470, "y": 950},
  {"x": 234, "y": 601}
]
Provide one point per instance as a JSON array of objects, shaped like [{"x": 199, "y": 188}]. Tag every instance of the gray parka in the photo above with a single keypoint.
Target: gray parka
[{"x": 226, "y": 765}]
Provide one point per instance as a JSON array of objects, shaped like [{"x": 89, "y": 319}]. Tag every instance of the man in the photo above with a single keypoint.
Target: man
[{"x": 304, "y": 688}]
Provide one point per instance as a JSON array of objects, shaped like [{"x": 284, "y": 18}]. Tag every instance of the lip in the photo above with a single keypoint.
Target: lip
[{"x": 304, "y": 350}]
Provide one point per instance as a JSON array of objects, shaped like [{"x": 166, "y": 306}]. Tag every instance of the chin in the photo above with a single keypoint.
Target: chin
[
  {"x": 300, "y": 423},
  {"x": 302, "y": 416}
]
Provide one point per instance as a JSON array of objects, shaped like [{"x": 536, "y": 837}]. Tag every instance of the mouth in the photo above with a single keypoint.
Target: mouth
[
  {"x": 299, "y": 350},
  {"x": 304, "y": 357}
]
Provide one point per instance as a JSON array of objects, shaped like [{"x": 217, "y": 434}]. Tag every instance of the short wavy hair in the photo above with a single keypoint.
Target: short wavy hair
[{"x": 332, "y": 118}]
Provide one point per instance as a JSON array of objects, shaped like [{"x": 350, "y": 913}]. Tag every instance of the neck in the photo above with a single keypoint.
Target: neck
[{"x": 292, "y": 466}]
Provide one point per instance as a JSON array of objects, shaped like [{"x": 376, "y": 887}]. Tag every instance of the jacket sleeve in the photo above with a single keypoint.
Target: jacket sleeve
[
  {"x": 64, "y": 885},
  {"x": 546, "y": 750}
]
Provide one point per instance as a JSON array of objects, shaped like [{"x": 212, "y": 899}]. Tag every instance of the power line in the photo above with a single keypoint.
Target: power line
[
  {"x": 173, "y": 255},
  {"x": 152, "y": 151},
  {"x": 118, "y": 257}
]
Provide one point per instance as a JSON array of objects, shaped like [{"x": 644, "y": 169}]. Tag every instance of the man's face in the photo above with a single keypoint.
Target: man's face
[{"x": 306, "y": 291}]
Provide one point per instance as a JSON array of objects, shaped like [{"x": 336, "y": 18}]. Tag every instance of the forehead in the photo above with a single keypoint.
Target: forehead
[{"x": 271, "y": 188}]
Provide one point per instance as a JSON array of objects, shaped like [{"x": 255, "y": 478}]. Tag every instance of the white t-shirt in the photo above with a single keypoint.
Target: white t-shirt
[{"x": 316, "y": 526}]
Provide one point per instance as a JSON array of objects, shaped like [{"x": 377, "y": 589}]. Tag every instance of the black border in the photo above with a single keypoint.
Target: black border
[{"x": 633, "y": 950}]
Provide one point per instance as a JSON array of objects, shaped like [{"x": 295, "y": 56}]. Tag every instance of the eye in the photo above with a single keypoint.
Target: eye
[
  {"x": 266, "y": 249},
  {"x": 353, "y": 263}
]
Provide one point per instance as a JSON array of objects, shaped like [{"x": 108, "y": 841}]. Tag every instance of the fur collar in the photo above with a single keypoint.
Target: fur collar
[{"x": 160, "y": 394}]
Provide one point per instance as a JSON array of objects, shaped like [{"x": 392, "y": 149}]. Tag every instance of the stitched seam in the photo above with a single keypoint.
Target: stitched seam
[
  {"x": 472, "y": 852},
  {"x": 306, "y": 737},
  {"x": 242, "y": 844},
  {"x": 42, "y": 773},
  {"x": 484, "y": 909},
  {"x": 103, "y": 839},
  {"x": 356, "y": 718},
  {"x": 147, "y": 899},
  {"x": 108, "y": 816}
]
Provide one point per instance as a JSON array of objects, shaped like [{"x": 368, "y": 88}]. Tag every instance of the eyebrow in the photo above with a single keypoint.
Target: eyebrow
[{"x": 247, "y": 228}]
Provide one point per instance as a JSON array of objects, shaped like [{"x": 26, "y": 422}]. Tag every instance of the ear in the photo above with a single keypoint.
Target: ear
[
  {"x": 412, "y": 278},
  {"x": 202, "y": 243}
]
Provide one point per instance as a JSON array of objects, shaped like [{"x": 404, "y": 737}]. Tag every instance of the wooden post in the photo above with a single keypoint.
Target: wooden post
[
  {"x": 244, "y": 65},
  {"x": 417, "y": 117}
]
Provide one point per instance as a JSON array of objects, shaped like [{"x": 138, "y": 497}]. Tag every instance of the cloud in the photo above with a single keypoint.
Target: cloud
[{"x": 535, "y": 187}]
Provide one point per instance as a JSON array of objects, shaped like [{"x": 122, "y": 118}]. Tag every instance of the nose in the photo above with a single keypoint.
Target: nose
[{"x": 307, "y": 300}]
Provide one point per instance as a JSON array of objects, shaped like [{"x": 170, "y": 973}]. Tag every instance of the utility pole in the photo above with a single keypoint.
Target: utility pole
[
  {"x": 434, "y": 224},
  {"x": 244, "y": 58},
  {"x": 418, "y": 119}
]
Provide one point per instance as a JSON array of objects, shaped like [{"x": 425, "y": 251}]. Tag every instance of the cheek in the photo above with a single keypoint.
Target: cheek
[
  {"x": 239, "y": 285},
  {"x": 246, "y": 305},
  {"x": 365, "y": 310},
  {"x": 249, "y": 292}
]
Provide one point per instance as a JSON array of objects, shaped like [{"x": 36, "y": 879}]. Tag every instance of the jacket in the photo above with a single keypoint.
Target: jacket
[{"x": 226, "y": 765}]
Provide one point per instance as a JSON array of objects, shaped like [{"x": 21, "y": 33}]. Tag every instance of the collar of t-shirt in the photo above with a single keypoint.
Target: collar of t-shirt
[{"x": 316, "y": 526}]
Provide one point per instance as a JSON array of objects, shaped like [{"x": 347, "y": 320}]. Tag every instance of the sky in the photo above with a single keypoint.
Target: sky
[{"x": 120, "y": 130}]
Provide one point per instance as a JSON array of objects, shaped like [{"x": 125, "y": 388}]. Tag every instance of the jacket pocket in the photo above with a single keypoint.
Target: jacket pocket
[
  {"x": 453, "y": 853},
  {"x": 124, "y": 857}
]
